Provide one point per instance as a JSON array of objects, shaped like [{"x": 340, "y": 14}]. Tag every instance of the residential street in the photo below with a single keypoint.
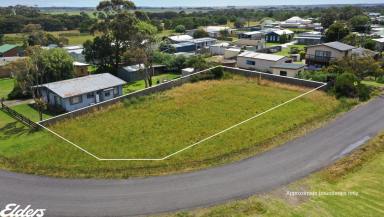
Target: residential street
[{"x": 261, "y": 173}]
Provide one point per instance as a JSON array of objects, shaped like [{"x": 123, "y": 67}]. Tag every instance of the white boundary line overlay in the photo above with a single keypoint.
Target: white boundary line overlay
[{"x": 190, "y": 146}]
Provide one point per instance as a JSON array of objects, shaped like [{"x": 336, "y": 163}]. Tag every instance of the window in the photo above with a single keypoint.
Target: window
[
  {"x": 75, "y": 100},
  {"x": 107, "y": 94},
  {"x": 115, "y": 91},
  {"x": 320, "y": 53},
  {"x": 283, "y": 73},
  {"x": 251, "y": 62},
  {"x": 90, "y": 95}
]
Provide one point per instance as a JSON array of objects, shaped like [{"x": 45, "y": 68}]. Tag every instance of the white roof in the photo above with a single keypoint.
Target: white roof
[
  {"x": 262, "y": 56},
  {"x": 252, "y": 33},
  {"x": 80, "y": 64},
  {"x": 233, "y": 49},
  {"x": 283, "y": 31},
  {"x": 83, "y": 85},
  {"x": 188, "y": 70},
  {"x": 223, "y": 44},
  {"x": 134, "y": 68},
  {"x": 180, "y": 38},
  {"x": 381, "y": 40},
  {"x": 76, "y": 47},
  {"x": 215, "y": 28}
]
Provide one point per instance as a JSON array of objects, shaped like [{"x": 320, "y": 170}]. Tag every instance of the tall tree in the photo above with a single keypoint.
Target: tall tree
[
  {"x": 337, "y": 31},
  {"x": 117, "y": 24}
]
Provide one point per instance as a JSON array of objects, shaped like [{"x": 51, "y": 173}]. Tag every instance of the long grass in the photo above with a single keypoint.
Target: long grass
[{"x": 163, "y": 123}]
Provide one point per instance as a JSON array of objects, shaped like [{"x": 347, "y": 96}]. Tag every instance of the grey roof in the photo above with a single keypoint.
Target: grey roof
[
  {"x": 83, "y": 85},
  {"x": 339, "y": 46},
  {"x": 262, "y": 56},
  {"x": 134, "y": 68},
  {"x": 199, "y": 40},
  {"x": 183, "y": 44},
  {"x": 289, "y": 66}
]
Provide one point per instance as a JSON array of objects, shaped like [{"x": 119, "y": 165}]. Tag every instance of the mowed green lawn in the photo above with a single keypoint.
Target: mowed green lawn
[
  {"x": 139, "y": 85},
  {"x": 6, "y": 86},
  {"x": 158, "y": 125}
]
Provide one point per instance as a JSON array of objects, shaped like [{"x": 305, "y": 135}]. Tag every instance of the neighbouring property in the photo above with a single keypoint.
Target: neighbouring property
[
  {"x": 288, "y": 69},
  {"x": 310, "y": 38},
  {"x": 180, "y": 38},
  {"x": 379, "y": 43},
  {"x": 81, "y": 69},
  {"x": 77, "y": 93},
  {"x": 322, "y": 54},
  {"x": 259, "y": 61},
  {"x": 255, "y": 39},
  {"x": 10, "y": 50},
  {"x": 278, "y": 35}
]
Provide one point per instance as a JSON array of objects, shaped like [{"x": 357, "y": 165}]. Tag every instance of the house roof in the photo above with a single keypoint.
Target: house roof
[
  {"x": 381, "y": 40},
  {"x": 83, "y": 85},
  {"x": 215, "y": 28},
  {"x": 183, "y": 44},
  {"x": 263, "y": 56},
  {"x": 364, "y": 52},
  {"x": 289, "y": 66},
  {"x": 283, "y": 31},
  {"x": 180, "y": 38},
  {"x": 7, "y": 47},
  {"x": 206, "y": 39},
  {"x": 134, "y": 68},
  {"x": 252, "y": 33},
  {"x": 80, "y": 64},
  {"x": 339, "y": 46}
]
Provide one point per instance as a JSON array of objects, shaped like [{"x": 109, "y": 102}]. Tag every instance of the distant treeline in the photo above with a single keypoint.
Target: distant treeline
[{"x": 14, "y": 18}]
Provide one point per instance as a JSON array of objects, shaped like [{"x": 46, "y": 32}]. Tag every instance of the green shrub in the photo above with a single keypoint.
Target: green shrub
[
  {"x": 381, "y": 80},
  {"x": 217, "y": 72},
  {"x": 346, "y": 85},
  {"x": 364, "y": 92}
]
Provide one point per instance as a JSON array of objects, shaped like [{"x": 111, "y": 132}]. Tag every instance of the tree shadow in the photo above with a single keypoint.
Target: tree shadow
[{"x": 12, "y": 129}]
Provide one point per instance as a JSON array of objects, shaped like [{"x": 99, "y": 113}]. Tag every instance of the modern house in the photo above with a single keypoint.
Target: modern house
[
  {"x": 310, "y": 38},
  {"x": 296, "y": 22},
  {"x": 180, "y": 38},
  {"x": 322, "y": 54},
  {"x": 255, "y": 39},
  {"x": 77, "y": 93},
  {"x": 379, "y": 44},
  {"x": 259, "y": 61},
  {"x": 278, "y": 35},
  {"x": 203, "y": 42},
  {"x": 219, "y": 48},
  {"x": 9, "y": 50},
  {"x": 288, "y": 69},
  {"x": 215, "y": 31},
  {"x": 184, "y": 47}
]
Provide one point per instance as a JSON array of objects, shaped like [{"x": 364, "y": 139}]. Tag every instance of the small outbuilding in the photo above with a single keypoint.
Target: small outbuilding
[
  {"x": 288, "y": 69},
  {"x": 9, "y": 50},
  {"x": 77, "y": 93},
  {"x": 259, "y": 61}
]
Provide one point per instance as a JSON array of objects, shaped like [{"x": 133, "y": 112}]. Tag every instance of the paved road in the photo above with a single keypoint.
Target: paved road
[{"x": 264, "y": 172}]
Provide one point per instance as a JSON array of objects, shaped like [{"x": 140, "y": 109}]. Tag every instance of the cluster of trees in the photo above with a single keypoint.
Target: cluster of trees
[
  {"x": 177, "y": 63},
  {"x": 14, "y": 18},
  {"x": 122, "y": 37},
  {"x": 345, "y": 76}
]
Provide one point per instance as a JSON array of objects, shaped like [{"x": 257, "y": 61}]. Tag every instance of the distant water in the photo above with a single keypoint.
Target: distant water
[{"x": 185, "y": 3}]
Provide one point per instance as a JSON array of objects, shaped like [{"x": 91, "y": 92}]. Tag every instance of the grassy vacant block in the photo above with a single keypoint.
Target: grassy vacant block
[
  {"x": 6, "y": 86},
  {"x": 360, "y": 172},
  {"x": 160, "y": 124}
]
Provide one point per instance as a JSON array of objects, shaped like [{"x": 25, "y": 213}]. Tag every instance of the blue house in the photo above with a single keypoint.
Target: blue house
[{"x": 77, "y": 93}]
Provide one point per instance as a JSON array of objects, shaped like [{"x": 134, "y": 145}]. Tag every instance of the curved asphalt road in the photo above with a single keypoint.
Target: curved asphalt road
[{"x": 264, "y": 172}]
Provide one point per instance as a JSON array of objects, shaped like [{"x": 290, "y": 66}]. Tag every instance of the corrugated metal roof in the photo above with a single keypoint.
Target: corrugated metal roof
[
  {"x": 263, "y": 56},
  {"x": 289, "y": 66},
  {"x": 339, "y": 46},
  {"x": 83, "y": 85},
  {"x": 200, "y": 40},
  {"x": 7, "y": 47},
  {"x": 180, "y": 38}
]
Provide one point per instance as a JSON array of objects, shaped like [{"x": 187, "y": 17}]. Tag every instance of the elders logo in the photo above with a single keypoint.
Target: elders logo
[{"x": 15, "y": 210}]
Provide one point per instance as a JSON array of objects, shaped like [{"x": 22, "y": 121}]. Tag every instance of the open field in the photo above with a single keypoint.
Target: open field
[
  {"x": 160, "y": 124},
  {"x": 360, "y": 172},
  {"x": 74, "y": 36},
  {"x": 6, "y": 86}
]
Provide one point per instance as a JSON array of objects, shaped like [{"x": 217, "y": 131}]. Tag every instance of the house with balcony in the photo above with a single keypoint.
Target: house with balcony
[
  {"x": 322, "y": 54},
  {"x": 255, "y": 39}
]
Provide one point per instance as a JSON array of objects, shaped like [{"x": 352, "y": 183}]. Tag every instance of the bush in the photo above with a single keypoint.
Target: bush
[
  {"x": 381, "y": 80},
  {"x": 364, "y": 92},
  {"x": 217, "y": 72},
  {"x": 180, "y": 29},
  {"x": 346, "y": 85}
]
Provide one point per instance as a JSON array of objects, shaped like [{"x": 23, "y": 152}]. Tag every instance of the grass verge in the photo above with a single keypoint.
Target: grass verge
[
  {"x": 165, "y": 122},
  {"x": 6, "y": 86},
  {"x": 360, "y": 172}
]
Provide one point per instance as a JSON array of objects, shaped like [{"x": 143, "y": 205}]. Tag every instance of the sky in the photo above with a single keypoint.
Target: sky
[{"x": 184, "y": 3}]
